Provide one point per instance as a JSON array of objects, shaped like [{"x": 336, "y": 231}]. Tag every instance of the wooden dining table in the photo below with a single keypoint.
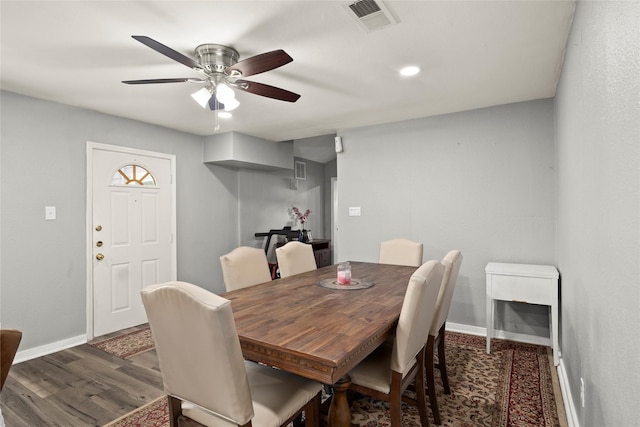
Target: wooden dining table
[{"x": 299, "y": 326}]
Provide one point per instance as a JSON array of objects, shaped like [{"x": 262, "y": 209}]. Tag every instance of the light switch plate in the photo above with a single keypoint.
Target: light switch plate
[{"x": 355, "y": 211}]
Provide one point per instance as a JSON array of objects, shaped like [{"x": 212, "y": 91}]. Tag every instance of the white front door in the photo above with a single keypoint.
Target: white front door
[{"x": 132, "y": 229}]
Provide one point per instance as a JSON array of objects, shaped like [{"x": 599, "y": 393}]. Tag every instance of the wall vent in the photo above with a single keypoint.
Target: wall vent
[
  {"x": 300, "y": 170},
  {"x": 371, "y": 14}
]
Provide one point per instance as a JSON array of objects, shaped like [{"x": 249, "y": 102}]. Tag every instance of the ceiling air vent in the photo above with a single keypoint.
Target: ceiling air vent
[{"x": 371, "y": 14}]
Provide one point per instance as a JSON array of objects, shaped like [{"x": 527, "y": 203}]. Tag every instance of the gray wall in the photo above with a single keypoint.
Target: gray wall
[
  {"x": 598, "y": 138},
  {"x": 481, "y": 181},
  {"x": 43, "y": 163},
  {"x": 266, "y": 199},
  {"x": 43, "y": 281}
]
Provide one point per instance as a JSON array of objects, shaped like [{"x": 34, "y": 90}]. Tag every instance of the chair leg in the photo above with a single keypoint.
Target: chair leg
[
  {"x": 312, "y": 412},
  {"x": 395, "y": 399},
  {"x": 442, "y": 361},
  {"x": 429, "y": 368},
  {"x": 175, "y": 410},
  {"x": 420, "y": 394}
]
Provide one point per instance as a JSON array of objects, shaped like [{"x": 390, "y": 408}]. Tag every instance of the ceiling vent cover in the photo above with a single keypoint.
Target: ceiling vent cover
[{"x": 371, "y": 14}]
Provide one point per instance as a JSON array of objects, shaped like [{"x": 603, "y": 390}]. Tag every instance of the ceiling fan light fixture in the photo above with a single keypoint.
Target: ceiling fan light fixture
[
  {"x": 224, "y": 93},
  {"x": 224, "y": 114},
  {"x": 202, "y": 97},
  {"x": 231, "y": 104}
]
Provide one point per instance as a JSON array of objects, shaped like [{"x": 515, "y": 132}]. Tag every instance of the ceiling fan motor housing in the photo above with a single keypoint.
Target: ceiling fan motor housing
[{"x": 215, "y": 58}]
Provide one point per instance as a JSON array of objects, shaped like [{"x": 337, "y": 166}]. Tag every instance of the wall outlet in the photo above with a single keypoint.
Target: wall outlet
[{"x": 582, "y": 392}]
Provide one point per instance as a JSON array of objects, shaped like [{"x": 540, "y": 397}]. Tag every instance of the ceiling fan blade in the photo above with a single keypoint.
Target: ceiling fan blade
[
  {"x": 260, "y": 63},
  {"x": 266, "y": 90},
  {"x": 167, "y": 51},
  {"x": 150, "y": 81}
]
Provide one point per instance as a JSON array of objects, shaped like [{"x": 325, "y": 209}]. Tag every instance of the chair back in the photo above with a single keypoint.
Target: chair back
[
  {"x": 401, "y": 252},
  {"x": 198, "y": 348},
  {"x": 416, "y": 315},
  {"x": 244, "y": 266},
  {"x": 295, "y": 258},
  {"x": 9, "y": 342},
  {"x": 452, "y": 262}
]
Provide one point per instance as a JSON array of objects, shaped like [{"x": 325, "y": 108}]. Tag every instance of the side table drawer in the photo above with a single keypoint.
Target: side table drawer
[{"x": 532, "y": 290}]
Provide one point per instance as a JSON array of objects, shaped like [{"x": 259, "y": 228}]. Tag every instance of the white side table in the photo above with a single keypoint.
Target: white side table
[{"x": 528, "y": 283}]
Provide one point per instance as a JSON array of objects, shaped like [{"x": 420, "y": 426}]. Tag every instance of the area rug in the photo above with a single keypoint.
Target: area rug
[
  {"x": 126, "y": 345},
  {"x": 153, "y": 414},
  {"x": 511, "y": 387}
]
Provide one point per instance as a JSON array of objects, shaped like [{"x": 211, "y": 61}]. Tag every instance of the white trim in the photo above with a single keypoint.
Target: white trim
[
  {"x": 466, "y": 329},
  {"x": 91, "y": 146},
  {"x": 569, "y": 407},
  {"x": 334, "y": 219},
  {"x": 53, "y": 347},
  {"x": 511, "y": 336}
]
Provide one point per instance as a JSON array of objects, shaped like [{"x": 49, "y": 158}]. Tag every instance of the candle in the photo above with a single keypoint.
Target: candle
[{"x": 344, "y": 273}]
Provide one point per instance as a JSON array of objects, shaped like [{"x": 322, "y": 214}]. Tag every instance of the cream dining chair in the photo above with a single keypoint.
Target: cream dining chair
[
  {"x": 452, "y": 262},
  {"x": 244, "y": 266},
  {"x": 295, "y": 258},
  {"x": 401, "y": 252},
  {"x": 205, "y": 376},
  {"x": 391, "y": 368}
]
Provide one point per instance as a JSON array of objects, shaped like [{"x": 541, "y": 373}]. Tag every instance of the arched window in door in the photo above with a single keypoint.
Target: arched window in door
[{"x": 133, "y": 175}]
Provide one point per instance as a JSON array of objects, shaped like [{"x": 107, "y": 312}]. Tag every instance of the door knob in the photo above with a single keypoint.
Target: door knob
[{"x": 99, "y": 257}]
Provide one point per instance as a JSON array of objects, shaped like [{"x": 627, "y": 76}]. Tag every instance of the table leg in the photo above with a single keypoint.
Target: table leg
[
  {"x": 339, "y": 411},
  {"x": 490, "y": 311},
  {"x": 554, "y": 332}
]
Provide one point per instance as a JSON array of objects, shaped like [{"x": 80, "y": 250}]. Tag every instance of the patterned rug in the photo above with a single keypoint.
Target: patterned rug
[
  {"x": 511, "y": 387},
  {"x": 126, "y": 345}
]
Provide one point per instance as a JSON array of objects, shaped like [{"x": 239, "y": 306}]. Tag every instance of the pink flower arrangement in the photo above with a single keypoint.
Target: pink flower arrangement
[{"x": 302, "y": 217}]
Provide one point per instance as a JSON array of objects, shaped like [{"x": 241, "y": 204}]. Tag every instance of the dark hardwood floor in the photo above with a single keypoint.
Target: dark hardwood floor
[{"x": 77, "y": 387}]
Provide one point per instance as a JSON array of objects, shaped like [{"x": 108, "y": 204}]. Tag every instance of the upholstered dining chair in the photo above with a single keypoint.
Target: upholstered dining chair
[
  {"x": 295, "y": 258},
  {"x": 452, "y": 262},
  {"x": 9, "y": 343},
  {"x": 391, "y": 368},
  {"x": 205, "y": 376},
  {"x": 244, "y": 266},
  {"x": 401, "y": 252}
]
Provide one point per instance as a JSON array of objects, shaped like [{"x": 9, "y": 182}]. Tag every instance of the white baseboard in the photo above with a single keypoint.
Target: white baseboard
[
  {"x": 569, "y": 407},
  {"x": 32, "y": 353},
  {"x": 466, "y": 329},
  {"x": 511, "y": 336}
]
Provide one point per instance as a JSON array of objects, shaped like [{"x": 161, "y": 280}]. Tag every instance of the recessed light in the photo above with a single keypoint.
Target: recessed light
[
  {"x": 224, "y": 114},
  {"x": 411, "y": 70}
]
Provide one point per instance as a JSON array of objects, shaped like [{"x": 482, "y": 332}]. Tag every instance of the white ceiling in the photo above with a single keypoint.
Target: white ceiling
[{"x": 472, "y": 54}]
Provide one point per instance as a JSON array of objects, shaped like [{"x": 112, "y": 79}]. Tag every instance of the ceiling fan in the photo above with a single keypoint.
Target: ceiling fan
[{"x": 222, "y": 71}]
